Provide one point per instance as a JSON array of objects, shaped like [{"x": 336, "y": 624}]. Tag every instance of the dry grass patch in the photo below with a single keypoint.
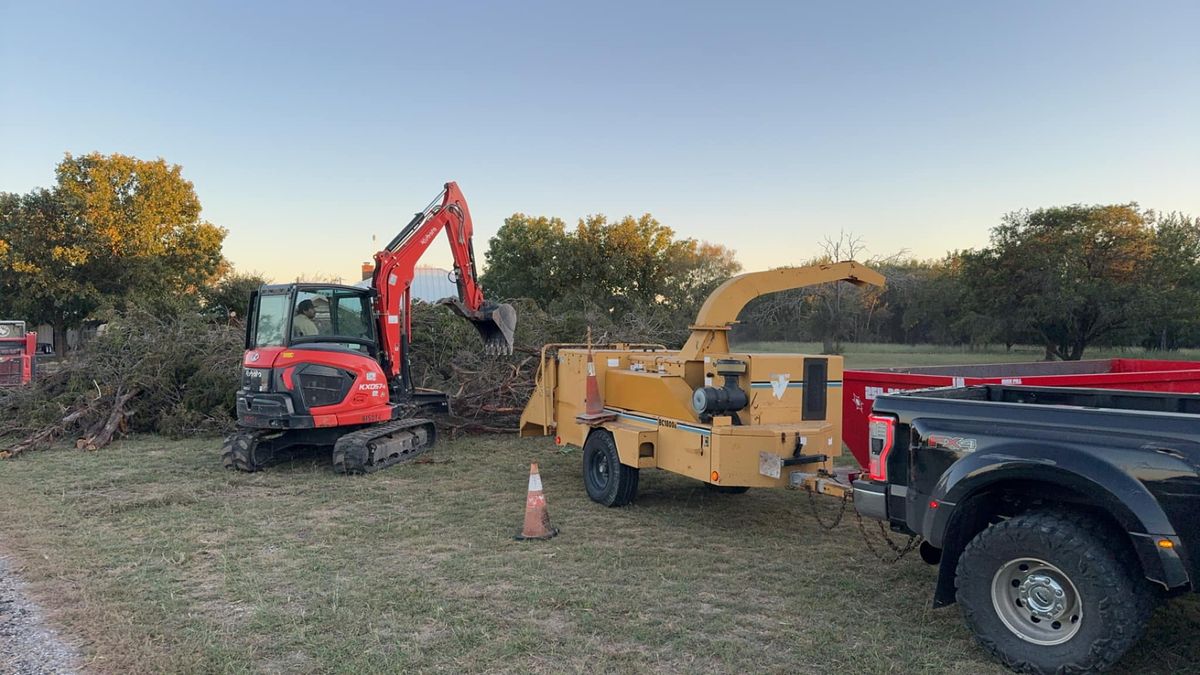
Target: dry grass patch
[{"x": 161, "y": 561}]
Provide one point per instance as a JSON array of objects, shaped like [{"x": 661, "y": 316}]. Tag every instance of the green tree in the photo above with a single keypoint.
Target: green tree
[
  {"x": 146, "y": 237},
  {"x": 230, "y": 295},
  {"x": 1173, "y": 290},
  {"x": 44, "y": 278},
  {"x": 698, "y": 269},
  {"x": 940, "y": 309},
  {"x": 602, "y": 268},
  {"x": 523, "y": 259},
  {"x": 114, "y": 232},
  {"x": 1068, "y": 275}
]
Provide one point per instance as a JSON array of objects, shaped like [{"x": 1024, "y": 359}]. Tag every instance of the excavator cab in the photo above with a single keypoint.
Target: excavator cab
[{"x": 341, "y": 317}]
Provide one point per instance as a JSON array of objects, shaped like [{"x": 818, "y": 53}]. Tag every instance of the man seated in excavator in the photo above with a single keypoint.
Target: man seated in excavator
[
  {"x": 303, "y": 322},
  {"x": 348, "y": 385}
]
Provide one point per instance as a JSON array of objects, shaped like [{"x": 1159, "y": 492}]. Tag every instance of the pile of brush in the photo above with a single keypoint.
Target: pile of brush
[
  {"x": 179, "y": 376},
  {"x": 175, "y": 376},
  {"x": 487, "y": 392}
]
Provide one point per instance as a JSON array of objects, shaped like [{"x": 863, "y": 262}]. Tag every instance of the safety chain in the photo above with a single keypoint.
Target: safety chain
[
  {"x": 913, "y": 542},
  {"x": 812, "y": 503}
]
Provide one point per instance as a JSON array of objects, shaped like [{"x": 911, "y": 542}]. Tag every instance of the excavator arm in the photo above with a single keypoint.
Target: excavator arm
[{"x": 395, "y": 267}]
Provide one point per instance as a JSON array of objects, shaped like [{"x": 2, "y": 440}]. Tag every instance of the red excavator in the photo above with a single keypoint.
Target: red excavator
[{"x": 327, "y": 365}]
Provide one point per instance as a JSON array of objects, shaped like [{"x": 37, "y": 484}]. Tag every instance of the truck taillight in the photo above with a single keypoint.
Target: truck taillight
[{"x": 883, "y": 439}]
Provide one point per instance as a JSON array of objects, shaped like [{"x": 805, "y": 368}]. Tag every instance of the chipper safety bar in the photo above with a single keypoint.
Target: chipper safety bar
[{"x": 732, "y": 419}]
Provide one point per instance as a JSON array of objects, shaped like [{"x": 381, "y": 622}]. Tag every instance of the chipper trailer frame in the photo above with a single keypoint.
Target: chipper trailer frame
[{"x": 734, "y": 420}]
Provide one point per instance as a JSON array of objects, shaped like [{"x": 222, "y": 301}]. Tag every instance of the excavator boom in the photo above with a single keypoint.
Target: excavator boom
[{"x": 395, "y": 267}]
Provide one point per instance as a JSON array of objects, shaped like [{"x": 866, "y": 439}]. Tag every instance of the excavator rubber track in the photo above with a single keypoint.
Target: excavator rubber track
[
  {"x": 244, "y": 449},
  {"x": 383, "y": 445}
]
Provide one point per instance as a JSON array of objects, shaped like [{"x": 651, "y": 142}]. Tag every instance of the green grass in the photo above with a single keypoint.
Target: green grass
[
  {"x": 868, "y": 355},
  {"x": 160, "y": 561}
]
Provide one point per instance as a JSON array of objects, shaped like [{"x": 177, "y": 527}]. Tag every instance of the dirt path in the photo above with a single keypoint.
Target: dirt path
[{"x": 27, "y": 645}]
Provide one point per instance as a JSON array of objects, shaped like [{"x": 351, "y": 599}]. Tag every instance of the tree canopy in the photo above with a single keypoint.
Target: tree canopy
[
  {"x": 114, "y": 231},
  {"x": 1065, "y": 276},
  {"x": 615, "y": 267}
]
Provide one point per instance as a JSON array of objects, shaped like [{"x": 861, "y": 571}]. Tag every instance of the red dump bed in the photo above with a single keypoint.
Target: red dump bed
[
  {"x": 860, "y": 387},
  {"x": 17, "y": 356}
]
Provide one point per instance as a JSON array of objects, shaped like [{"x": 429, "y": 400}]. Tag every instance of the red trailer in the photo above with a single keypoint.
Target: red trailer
[
  {"x": 860, "y": 387},
  {"x": 18, "y": 350}
]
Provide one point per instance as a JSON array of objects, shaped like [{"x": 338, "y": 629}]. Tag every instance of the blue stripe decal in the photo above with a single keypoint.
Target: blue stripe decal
[
  {"x": 792, "y": 385},
  {"x": 636, "y": 418},
  {"x": 651, "y": 420}
]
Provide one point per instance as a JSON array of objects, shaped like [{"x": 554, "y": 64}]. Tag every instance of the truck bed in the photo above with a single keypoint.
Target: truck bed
[
  {"x": 860, "y": 388},
  {"x": 1145, "y": 401}
]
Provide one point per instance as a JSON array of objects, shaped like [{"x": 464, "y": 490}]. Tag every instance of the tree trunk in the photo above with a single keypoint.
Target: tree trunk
[
  {"x": 60, "y": 340},
  {"x": 1076, "y": 351}
]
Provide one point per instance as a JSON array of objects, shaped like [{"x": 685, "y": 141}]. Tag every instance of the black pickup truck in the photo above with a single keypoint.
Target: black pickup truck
[{"x": 1059, "y": 518}]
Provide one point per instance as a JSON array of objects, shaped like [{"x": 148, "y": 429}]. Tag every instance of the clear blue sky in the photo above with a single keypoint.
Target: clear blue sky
[{"x": 309, "y": 127}]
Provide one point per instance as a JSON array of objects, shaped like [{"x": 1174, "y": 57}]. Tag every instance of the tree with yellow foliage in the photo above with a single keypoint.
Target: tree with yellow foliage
[{"x": 115, "y": 231}]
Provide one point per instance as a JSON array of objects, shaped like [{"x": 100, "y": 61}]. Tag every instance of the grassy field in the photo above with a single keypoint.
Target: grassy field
[
  {"x": 157, "y": 560},
  {"x": 160, "y": 561}
]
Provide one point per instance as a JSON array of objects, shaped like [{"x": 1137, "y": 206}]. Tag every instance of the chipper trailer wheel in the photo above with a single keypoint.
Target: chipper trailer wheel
[{"x": 608, "y": 481}]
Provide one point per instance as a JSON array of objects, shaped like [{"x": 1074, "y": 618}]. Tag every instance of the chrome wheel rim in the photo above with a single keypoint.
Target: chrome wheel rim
[{"x": 1037, "y": 601}]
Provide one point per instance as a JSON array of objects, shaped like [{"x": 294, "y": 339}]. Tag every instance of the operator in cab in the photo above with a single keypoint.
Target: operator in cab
[{"x": 303, "y": 324}]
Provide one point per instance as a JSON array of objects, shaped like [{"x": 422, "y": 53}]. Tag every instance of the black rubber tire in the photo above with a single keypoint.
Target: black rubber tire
[
  {"x": 727, "y": 489},
  {"x": 1116, "y": 600},
  {"x": 606, "y": 479},
  {"x": 238, "y": 453}
]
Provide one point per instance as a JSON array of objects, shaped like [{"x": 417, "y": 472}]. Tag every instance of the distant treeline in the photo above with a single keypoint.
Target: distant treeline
[
  {"x": 116, "y": 234},
  {"x": 1065, "y": 278}
]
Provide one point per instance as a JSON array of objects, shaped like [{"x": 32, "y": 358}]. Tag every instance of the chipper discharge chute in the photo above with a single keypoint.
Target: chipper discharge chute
[{"x": 734, "y": 420}]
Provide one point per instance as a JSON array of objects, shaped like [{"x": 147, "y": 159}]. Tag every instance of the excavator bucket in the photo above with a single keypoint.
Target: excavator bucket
[{"x": 496, "y": 324}]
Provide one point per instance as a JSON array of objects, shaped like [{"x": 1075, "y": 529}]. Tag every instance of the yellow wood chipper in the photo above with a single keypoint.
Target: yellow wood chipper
[{"x": 731, "y": 419}]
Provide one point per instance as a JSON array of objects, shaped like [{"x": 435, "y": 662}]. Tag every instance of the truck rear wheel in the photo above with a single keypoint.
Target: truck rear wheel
[
  {"x": 1052, "y": 592},
  {"x": 607, "y": 480}
]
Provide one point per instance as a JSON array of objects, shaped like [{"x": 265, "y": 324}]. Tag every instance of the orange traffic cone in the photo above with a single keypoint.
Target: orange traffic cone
[
  {"x": 537, "y": 518},
  {"x": 593, "y": 404}
]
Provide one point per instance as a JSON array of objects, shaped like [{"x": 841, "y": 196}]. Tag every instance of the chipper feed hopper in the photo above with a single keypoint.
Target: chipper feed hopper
[{"x": 734, "y": 420}]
